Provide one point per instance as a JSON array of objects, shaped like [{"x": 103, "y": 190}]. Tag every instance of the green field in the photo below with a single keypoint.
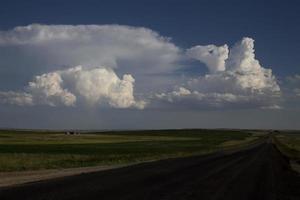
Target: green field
[
  {"x": 289, "y": 144},
  {"x": 27, "y": 150}
]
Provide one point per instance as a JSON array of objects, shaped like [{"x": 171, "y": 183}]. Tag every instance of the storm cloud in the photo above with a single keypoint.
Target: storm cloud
[{"x": 125, "y": 67}]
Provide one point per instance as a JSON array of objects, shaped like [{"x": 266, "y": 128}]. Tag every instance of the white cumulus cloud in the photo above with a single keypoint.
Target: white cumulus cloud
[
  {"x": 241, "y": 70},
  {"x": 236, "y": 76},
  {"x": 205, "y": 100},
  {"x": 102, "y": 85},
  {"x": 47, "y": 89},
  {"x": 211, "y": 55},
  {"x": 96, "y": 86},
  {"x": 247, "y": 70}
]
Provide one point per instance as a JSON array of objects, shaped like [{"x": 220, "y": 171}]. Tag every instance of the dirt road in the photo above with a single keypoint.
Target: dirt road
[{"x": 258, "y": 173}]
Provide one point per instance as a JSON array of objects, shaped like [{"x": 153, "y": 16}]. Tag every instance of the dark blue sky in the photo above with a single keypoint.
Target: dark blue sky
[{"x": 273, "y": 24}]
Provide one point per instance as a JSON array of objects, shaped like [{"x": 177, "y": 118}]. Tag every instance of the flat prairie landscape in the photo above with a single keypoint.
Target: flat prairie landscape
[
  {"x": 162, "y": 164},
  {"x": 36, "y": 150}
]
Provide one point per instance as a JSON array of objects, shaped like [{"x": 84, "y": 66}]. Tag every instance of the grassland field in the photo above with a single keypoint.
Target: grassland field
[
  {"x": 289, "y": 144},
  {"x": 34, "y": 150}
]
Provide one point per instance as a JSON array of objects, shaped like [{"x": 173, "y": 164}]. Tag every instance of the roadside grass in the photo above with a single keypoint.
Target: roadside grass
[
  {"x": 236, "y": 143},
  {"x": 289, "y": 144},
  {"x": 28, "y": 150}
]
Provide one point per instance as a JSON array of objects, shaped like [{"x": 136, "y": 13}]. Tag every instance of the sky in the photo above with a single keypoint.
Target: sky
[{"x": 149, "y": 64}]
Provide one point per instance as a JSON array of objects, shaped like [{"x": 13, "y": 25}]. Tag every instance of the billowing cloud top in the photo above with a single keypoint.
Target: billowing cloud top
[
  {"x": 102, "y": 64},
  {"x": 95, "y": 86},
  {"x": 235, "y": 77}
]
